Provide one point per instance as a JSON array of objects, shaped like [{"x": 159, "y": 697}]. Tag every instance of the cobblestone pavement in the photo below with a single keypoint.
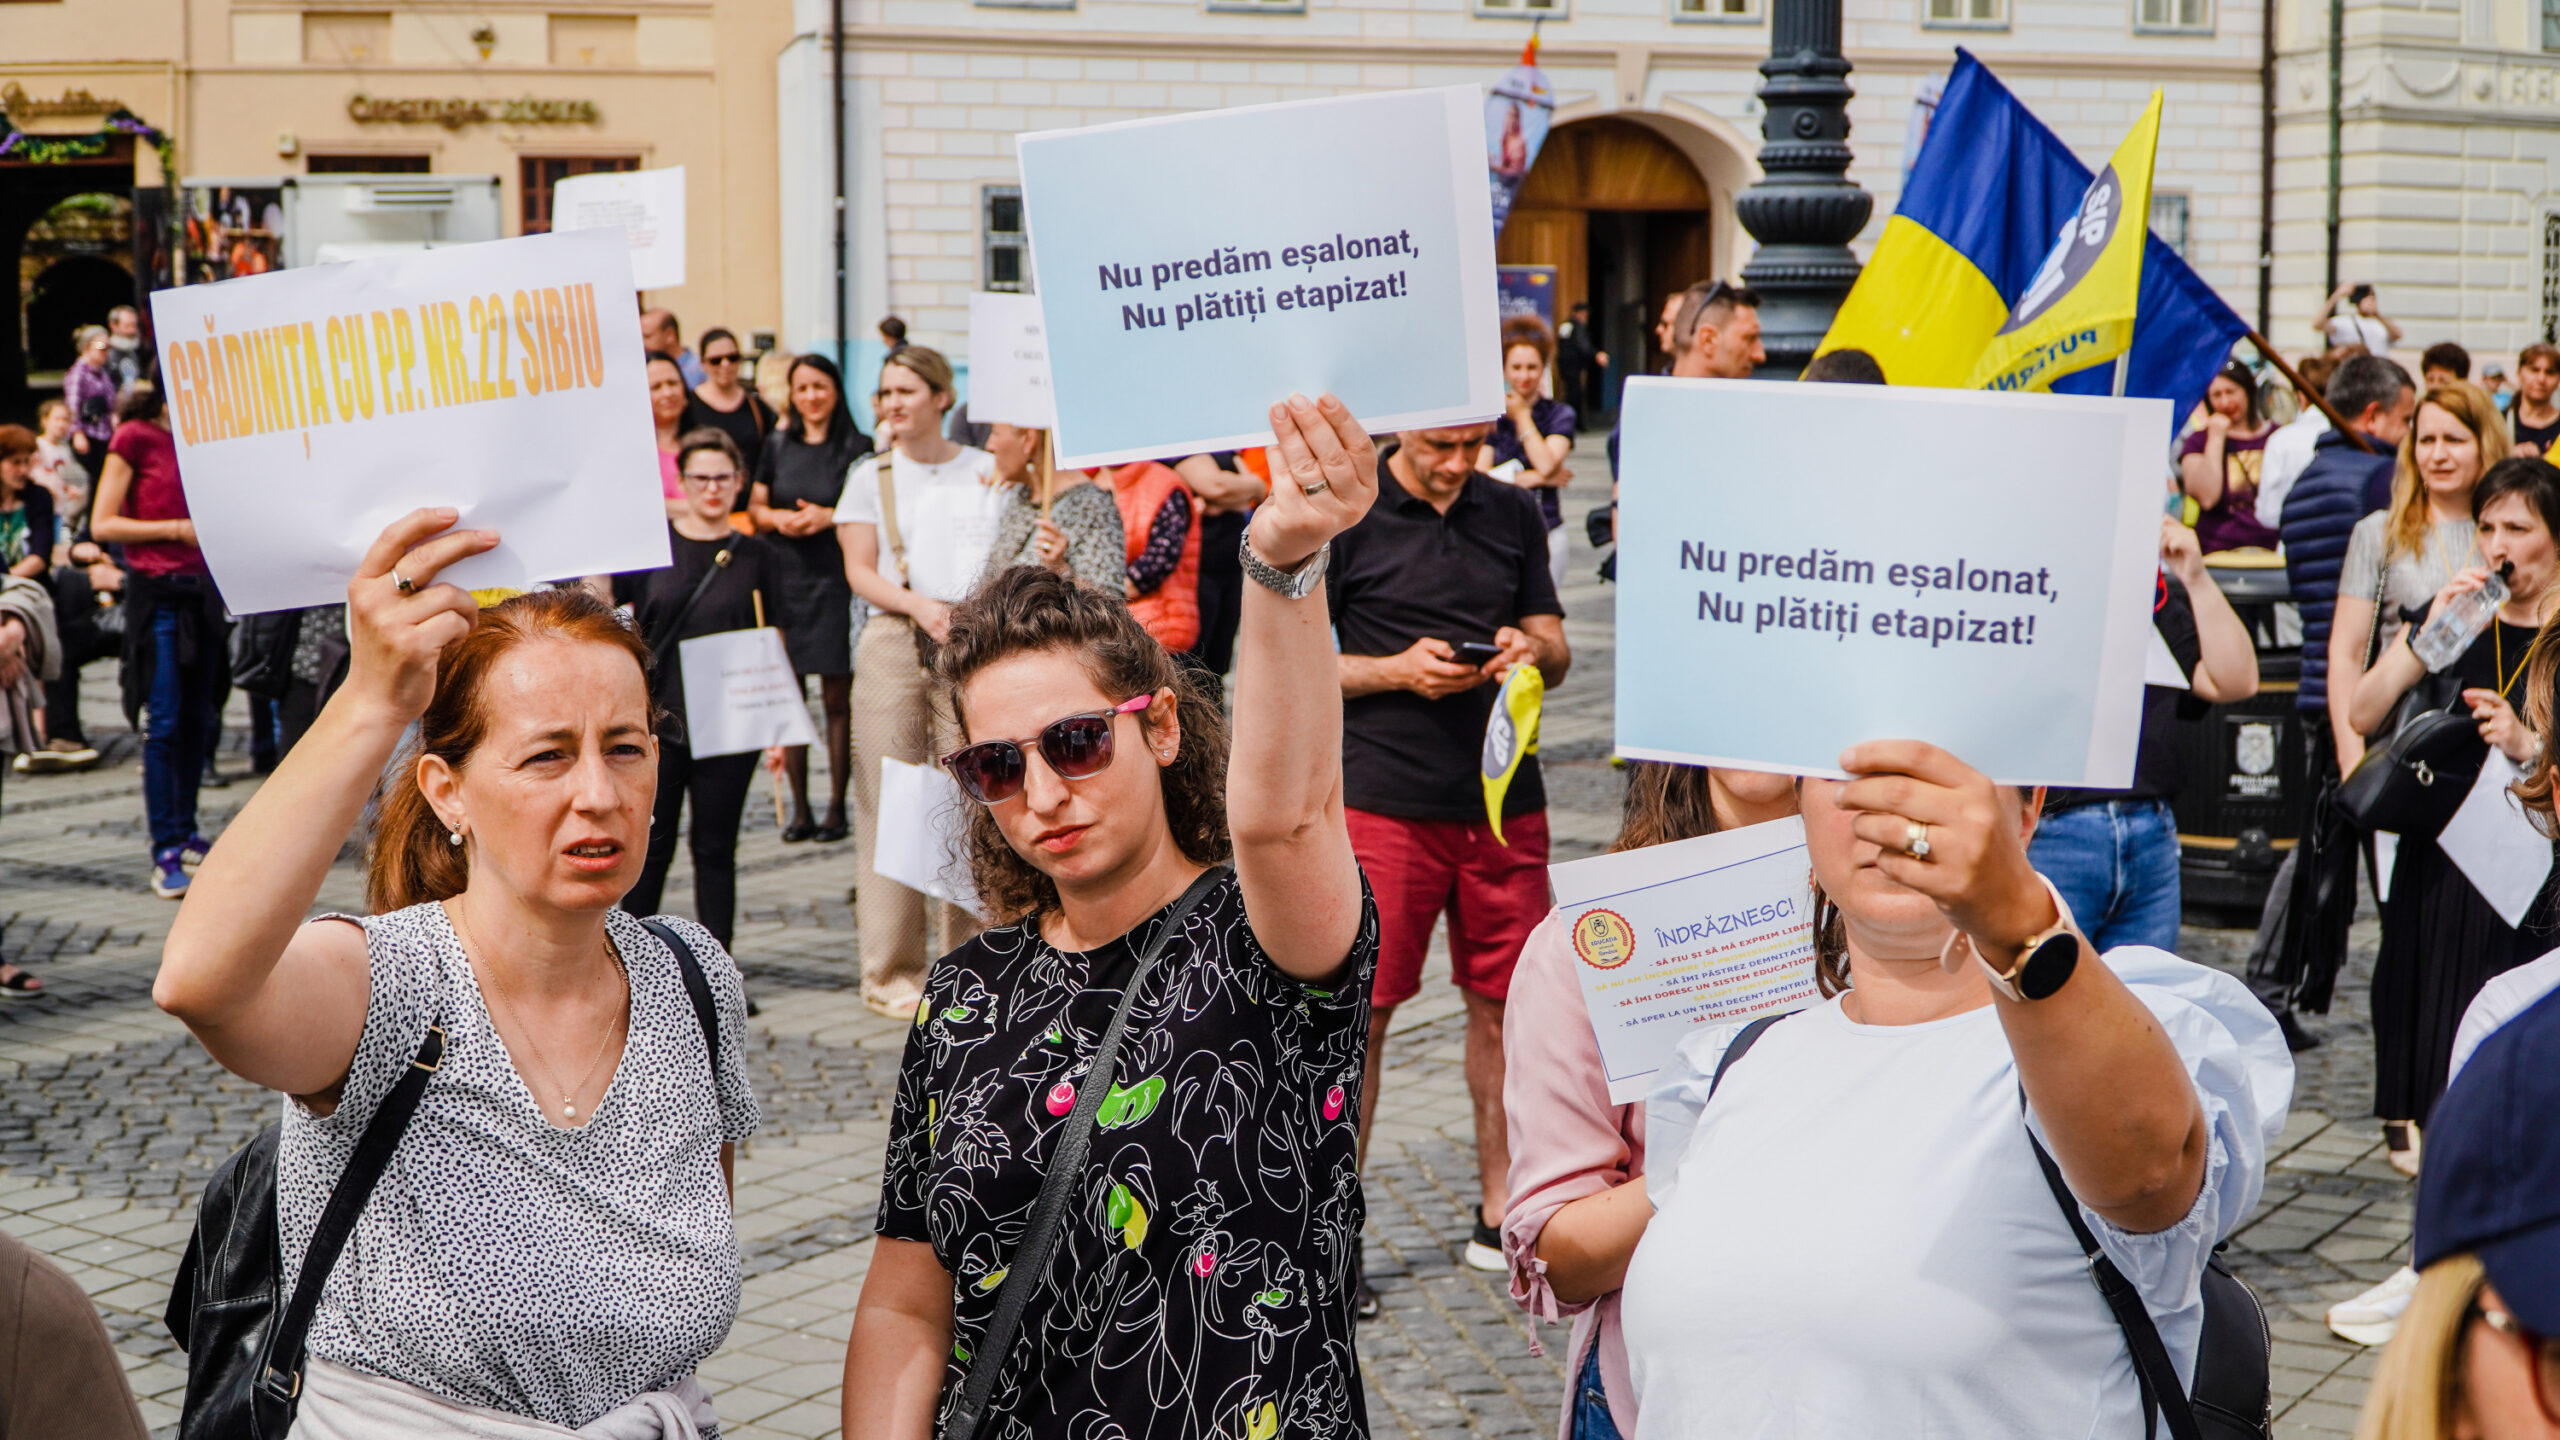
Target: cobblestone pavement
[{"x": 113, "y": 1117}]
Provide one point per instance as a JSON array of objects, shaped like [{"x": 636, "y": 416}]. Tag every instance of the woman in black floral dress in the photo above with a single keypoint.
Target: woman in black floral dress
[{"x": 1201, "y": 1284}]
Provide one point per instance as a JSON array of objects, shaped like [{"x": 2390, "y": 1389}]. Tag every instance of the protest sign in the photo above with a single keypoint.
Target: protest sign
[
  {"x": 313, "y": 407},
  {"x": 741, "y": 694},
  {"x": 2493, "y": 842},
  {"x": 648, "y": 205},
  {"x": 1196, "y": 268},
  {"x": 1707, "y": 931},
  {"x": 1837, "y": 563},
  {"x": 923, "y": 833},
  {"x": 1009, "y": 363}
]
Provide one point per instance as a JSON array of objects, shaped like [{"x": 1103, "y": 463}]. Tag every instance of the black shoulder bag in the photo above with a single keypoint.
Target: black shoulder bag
[
  {"x": 2412, "y": 780},
  {"x": 244, "y": 1343},
  {"x": 2231, "y": 1396},
  {"x": 1030, "y": 1260}
]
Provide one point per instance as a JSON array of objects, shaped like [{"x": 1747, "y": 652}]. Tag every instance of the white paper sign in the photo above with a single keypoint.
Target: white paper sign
[
  {"x": 648, "y": 205},
  {"x": 2160, "y": 665},
  {"x": 1009, "y": 363},
  {"x": 1713, "y": 930},
  {"x": 1196, "y": 268},
  {"x": 313, "y": 407},
  {"x": 741, "y": 694},
  {"x": 1979, "y": 577},
  {"x": 923, "y": 835},
  {"x": 2494, "y": 845}
]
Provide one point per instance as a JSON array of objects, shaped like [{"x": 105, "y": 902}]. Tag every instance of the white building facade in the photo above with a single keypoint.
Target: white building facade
[{"x": 1661, "y": 94}]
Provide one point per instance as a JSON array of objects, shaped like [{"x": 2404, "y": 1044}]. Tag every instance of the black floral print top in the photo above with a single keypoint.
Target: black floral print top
[{"x": 1202, "y": 1282}]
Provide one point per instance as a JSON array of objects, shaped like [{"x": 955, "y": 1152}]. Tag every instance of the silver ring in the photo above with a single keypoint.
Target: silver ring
[
  {"x": 403, "y": 583},
  {"x": 1915, "y": 840},
  {"x": 1317, "y": 488}
]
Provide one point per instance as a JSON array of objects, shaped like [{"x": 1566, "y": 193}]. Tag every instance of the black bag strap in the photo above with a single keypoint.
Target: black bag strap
[
  {"x": 1741, "y": 1045},
  {"x": 697, "y": 988},
  {"x": 1066, "y": 1165},
  {"x": 2161, "y": 1393},
  {"x": 658, "y": 648},
  {"x": 280, "y": 1375}
]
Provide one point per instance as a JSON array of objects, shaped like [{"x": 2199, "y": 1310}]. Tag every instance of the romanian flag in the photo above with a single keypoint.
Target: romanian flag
[{"x": 1988, "y": 194}]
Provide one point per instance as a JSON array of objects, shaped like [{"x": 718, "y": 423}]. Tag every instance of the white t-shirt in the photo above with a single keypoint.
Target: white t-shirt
[
  {"x": 2287, "y": 455},
  {"x": 1854, "y": 1239},
  {"x": 2505, "y": 997},
  {"x": 2356, "y": 328},
  {"x": 947, "y": 516}
]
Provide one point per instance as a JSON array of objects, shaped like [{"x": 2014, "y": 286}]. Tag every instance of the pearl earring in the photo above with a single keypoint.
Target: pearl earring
[{"x": 453, "y": 837}]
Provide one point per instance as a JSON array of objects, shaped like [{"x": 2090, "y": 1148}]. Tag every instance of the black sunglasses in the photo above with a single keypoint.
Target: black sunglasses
[
  {"x": 729, "y": 359},
  {"x": 1078, "y": 747}
]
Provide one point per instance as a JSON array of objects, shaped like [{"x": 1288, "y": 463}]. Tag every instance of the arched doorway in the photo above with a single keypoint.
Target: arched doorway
[
  {"x": 1625, "y": 217},
  {"x": 71, "y": 272}
]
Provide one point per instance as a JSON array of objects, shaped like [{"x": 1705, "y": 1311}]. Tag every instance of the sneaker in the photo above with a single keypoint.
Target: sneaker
[
  {"x": 1484, "y": 1248},
  {"x": 215, "y": 779},
  {"x": 2372, "y": 1317},
  {"x": 169, "y": 880},
  {"x": 20, "y": 764},
  {"x": 57, "y": 758},
  {"x": 193, "y": 852}
]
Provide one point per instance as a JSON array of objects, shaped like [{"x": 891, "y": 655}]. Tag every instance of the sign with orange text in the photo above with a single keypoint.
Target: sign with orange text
[
  {"x": 313, "y": 407},
  {"x": 1708, "y": 931}
]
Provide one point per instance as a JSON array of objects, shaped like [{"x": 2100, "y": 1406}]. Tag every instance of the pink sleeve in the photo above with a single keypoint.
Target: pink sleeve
[
  {"x": 1567, "y": 1139},
  {"x": 667, "y": 480}
]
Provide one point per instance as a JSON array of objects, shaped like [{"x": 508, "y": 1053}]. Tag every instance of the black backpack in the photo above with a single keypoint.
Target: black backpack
[
  {"x": 244, "y": 1345},
  {"x": 2231, "y": 1396}
]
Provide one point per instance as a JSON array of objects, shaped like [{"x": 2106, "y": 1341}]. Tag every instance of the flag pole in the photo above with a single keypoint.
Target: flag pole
[
  {"x": 2121, "y": 361},
  {"x": 1048, "y": 469},
  {"x": 2303, "y": 387}
]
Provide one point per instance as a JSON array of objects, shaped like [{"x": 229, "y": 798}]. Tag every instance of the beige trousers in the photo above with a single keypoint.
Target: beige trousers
[{"x": 894, "y": 718}]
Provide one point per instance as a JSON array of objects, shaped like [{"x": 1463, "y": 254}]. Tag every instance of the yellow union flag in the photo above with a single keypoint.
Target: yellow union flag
[{"x": 2078, "y": 311}]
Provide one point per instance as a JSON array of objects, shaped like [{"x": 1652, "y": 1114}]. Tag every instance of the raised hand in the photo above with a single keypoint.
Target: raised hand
[
  {"x": 1976, "y": 869},
  {"x": 398, "y": 619},
  {"x": 1324, "y": 477}
]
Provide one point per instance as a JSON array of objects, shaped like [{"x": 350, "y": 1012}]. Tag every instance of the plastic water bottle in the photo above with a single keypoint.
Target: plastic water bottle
[{"x": 2460, "y": 622}]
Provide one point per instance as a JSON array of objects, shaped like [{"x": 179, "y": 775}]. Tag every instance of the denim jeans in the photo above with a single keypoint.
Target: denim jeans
[
  {"x": 2116, "y": 864},
  {"x": 1591, "y": 1417},
  {"x": 176, "y": 718}
]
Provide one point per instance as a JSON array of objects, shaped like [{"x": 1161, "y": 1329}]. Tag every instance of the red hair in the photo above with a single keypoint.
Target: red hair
[{"x": 412, "y": 860}]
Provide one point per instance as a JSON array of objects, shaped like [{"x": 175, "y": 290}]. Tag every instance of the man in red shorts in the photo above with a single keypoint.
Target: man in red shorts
[{"x": 1448, "y": 557}]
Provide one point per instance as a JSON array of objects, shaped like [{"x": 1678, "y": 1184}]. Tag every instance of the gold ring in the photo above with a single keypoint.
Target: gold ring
[
  {"x": 1915, "y": 840},
  {"x": 403, "y": 583},
  {"x": 1317, "y": 488}
]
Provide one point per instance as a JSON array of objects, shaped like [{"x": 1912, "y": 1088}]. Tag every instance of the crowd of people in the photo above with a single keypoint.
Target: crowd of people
[{"x": 1122, "y": 1194}]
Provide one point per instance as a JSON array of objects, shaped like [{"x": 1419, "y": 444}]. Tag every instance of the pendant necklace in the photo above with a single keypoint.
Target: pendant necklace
[{"x": 569, "y": 1096}]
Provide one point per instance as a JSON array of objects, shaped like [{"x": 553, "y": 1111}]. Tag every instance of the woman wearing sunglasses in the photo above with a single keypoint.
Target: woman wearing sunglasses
[
  {"x": 717, "y": 582},
  {"x": 724, "y": 402},
  {"x": 1202, "y": 1277}
]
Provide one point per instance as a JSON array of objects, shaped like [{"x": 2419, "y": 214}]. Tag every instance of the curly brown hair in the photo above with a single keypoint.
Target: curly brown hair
[
  {"x": 1027, "y": 608},
  {"x": 2542, "y": 711}
]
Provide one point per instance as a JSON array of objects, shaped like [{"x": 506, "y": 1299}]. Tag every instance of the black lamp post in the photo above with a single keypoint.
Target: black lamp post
[{"x": 1804, "y": 211}]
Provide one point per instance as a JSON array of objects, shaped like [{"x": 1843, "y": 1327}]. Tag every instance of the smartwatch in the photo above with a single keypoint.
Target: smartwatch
[{"x": 2044, "y": 962}]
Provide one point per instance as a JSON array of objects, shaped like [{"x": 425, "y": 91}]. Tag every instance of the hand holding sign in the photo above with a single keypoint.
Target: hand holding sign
[
  {"x": 399, "y": 619},
  {"x": 1907, "y": 796},
  {"x": 1326, "y": 480}
]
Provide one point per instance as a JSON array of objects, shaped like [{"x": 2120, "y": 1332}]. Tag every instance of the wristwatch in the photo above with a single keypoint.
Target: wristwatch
[
  {"x": 1287, "y": 584},
  {"x": 2044, "y": 962}
]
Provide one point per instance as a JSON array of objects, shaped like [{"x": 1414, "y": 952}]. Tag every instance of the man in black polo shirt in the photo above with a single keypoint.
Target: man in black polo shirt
[{"x": 1446, "y": 557}]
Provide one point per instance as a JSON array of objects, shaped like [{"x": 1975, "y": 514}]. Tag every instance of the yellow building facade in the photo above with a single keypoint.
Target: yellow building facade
[{"x": 103, "y": 99}]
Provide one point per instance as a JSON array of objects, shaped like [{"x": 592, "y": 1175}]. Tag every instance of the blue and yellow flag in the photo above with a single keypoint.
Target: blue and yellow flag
[
  {"x": 2080, "y": 308},
  {"x": 1988, "y": 194}
]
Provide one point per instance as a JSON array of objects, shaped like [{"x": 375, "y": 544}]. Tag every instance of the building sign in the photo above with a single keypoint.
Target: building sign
[
  {"x": 22, "y": 106},
  {"x": 456, "y": 113}
]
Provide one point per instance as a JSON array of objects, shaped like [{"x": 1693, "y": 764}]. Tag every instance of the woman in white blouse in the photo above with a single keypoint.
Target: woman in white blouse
[{"x": 1854, "y": 1238}]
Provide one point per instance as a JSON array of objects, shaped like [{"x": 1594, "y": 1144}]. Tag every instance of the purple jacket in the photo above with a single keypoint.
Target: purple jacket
[{"x": 91, "y": 393}]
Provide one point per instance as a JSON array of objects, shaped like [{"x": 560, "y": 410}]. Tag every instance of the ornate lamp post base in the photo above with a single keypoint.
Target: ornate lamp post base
[{"x": 1804, "y": 211}]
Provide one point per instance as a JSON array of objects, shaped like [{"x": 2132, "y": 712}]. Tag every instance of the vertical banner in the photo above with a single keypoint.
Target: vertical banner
[
  {"x": 1193, "y": 269},
  {"x": 1529, "y": 290},
  {"x": 648, "y": 204},
  {"x": 1009, "y": 363},
  {"x": 1977, "y": 573},
  {"x": 313, "y": 407},
  {"x": 1516, "y": 116}
]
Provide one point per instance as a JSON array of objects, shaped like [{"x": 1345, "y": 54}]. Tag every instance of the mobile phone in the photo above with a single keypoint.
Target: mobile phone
[
  {"x": 1476, "y": 652},
  {"x": 2357, "y": 295}
]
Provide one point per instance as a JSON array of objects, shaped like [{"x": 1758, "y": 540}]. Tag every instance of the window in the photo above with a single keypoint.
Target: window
[
  {"x": 540, "y": 172},
  {"x": 2551, "y": 276},
  {"x": 1007, "y": 247},
  {"x": 1522, "y": 9},
  {"x": 365, "y": 165},
  {"x": 1989, "y": 14},
  {"x": 1715, "y": 9},
  {"x": 596, "y": 40},
  {"x": 2551, "y": 24},
  {"x": 1263, "y": 7},
  {"x": 2169, "y": 219},
  {"x": 346, "y": 37},
  {"x": 2179, "y": 14}
]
